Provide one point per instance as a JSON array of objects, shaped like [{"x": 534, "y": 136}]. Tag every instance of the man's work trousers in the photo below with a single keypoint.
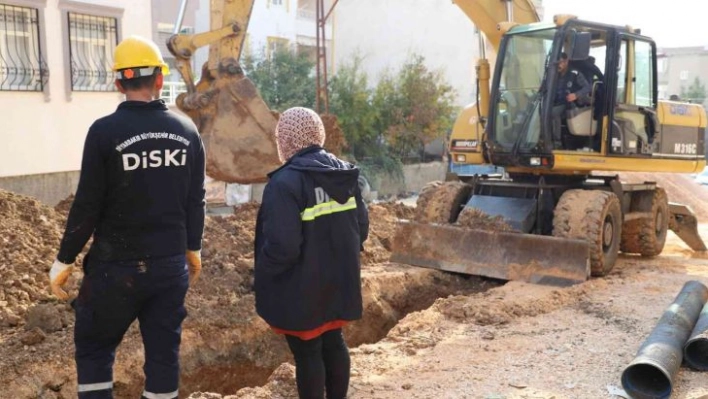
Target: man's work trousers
[
  {"x": 111, "y": 297},
  {"x": 558, "y": 113}
]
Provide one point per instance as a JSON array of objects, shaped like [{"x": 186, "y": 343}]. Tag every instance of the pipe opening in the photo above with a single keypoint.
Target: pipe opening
[
  {"x": 644, "y": 381},
  {"x": 696, "y": 354}
]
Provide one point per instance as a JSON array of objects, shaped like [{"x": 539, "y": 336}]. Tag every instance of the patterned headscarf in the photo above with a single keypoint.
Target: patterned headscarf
[{"x": 298, "y": 128}]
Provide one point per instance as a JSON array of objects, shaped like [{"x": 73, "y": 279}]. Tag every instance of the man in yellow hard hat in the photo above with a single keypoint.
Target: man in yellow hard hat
[{"x": 141, "y": 196}]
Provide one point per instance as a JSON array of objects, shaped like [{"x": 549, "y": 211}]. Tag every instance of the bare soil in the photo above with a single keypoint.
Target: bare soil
[
  {"x": 475, "y": 218},
  {"x": 225, "y": 347},
  {"x": 680, "y": 188},
  {"x": 335, "y": 141},
  {"x": 425, "y": 334}
]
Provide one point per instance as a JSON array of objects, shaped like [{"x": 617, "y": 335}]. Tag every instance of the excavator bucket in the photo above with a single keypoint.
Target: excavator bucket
[
  {"x": 237, "y": 128},
  {"x": 683, "y": 222},
  {"x": 502, "y": 255}
]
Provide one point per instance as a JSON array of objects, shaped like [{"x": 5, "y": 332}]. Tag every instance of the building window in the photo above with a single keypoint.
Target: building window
[
  {"x": 662, "y": 65},
  {"x": 308, "y": 51},
  {"x": 276, "y": 44},
  {"x": 92, "y": 40},
  {"x": 164, "y": 33},
  {"x": 22, "y": 67},
  {"x": 276, "y": 2},
  {"x": 683, "y": 75}
]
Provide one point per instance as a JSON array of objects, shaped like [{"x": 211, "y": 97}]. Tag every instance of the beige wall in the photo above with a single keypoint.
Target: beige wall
[
  {"x": 45, "y": 133},
  {"x": 392, "y": 29}
]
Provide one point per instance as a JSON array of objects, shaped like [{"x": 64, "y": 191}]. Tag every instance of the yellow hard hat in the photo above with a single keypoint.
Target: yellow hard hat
[{"x": 138, "y": 52}]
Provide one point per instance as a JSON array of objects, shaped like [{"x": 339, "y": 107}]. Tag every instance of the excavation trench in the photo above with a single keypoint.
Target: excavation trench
[
  {"x": 225, "y": 345},
  {"x": 229, "y": 358}
]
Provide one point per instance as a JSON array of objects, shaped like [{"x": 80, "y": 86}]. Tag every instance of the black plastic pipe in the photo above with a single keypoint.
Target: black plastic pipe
[
  {"x": 652, "y": 372},
  {"x": 695, "y": 352}
]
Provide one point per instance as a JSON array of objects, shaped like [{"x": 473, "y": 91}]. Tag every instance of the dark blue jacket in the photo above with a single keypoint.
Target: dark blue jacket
[
  {"x": 310, "y": 230},
  {"x": 573, "y": 82},
  {"x": 141, "y": 192}
]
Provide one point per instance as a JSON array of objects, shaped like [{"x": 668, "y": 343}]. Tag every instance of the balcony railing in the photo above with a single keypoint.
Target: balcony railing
[
  {"x": 309, "y": 15},
  {"x": 170, "y": 91}
]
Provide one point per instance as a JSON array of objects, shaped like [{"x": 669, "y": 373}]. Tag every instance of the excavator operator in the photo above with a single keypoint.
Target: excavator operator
[
  {"x": 141, "y": 196},
  {"x": 572, "y": 88}
]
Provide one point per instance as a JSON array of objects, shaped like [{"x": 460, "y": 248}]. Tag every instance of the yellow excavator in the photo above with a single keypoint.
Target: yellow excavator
[{"x": 558, "y": 214}]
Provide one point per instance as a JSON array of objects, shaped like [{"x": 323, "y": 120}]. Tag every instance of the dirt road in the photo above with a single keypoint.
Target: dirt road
[{"x": 523, "y": 341}]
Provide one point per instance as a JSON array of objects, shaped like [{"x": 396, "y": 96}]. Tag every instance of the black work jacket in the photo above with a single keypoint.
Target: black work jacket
[
  {"x": 572, "y": 82},
  {"x": 141, "y": 189},
  {"x": 310, "y": 230}
]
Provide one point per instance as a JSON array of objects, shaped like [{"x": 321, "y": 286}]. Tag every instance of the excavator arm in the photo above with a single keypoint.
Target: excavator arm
[
  {"x": 488, "y": 14},
  {"x": 235, "y": 123}
]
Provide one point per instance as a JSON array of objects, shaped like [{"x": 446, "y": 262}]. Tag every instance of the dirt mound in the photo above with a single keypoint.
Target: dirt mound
[
  {"x": 513, "y": 300},
  {"x": 229, "y": 238},
  {"x": 334, "y": 139},
  {"x": 64, "y": 206},
  {"x": 382, "y": 227},
  {"x": 30, "y": 234},
  {"x": 476, "y": 219},
  {"x": 680, "y": 188}
]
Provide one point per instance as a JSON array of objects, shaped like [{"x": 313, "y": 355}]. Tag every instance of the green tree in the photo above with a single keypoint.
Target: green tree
[
  {"x": 696, "y": 92},
  {"x": 350, "y": 101},
  {"x": 284, "y": 80},
  {"x": 415, "y": 107}
]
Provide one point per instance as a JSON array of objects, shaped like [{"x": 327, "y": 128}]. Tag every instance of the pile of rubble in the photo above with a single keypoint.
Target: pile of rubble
[{"x": 30, "y": 234}]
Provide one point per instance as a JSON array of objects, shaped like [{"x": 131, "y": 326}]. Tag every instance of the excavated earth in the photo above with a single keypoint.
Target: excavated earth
[
  {"x": 226, "y": 347},
  {"x": 425, "y": 334}
]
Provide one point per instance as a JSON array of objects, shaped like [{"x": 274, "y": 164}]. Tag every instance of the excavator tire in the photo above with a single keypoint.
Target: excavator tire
[
  {"x": 595, "y": 216},
  {"x": 441, "y": 202},
  {"x": 647, "y": 236}
]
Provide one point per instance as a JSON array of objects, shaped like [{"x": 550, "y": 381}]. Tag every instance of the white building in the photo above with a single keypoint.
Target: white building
[
  {"x": 55, "y": 80},
  {"x": 394, "y": 29}
]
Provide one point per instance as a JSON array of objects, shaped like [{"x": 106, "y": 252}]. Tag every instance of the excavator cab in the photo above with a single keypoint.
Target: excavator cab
[
  {"x": 617, "y": 123},
  {"x": 554, "y": 218},
  {"x": 529, "y": 92}
]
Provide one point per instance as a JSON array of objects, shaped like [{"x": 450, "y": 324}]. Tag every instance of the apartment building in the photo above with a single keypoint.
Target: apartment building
[
  {"x": 678, "y": 67},
  {"x": 55, "y": 80}
]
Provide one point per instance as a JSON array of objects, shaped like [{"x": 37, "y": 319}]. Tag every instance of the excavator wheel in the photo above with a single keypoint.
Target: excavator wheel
[
  {"x": 595, "y": 216},
  {"x": 441, "y": 202},
  {"x": 647, "y": 236}
]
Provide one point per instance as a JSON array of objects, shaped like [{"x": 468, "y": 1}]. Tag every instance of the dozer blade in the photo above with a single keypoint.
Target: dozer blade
[
  {"x": 683, "y": 222},
  {"x": 507, "y": 256}
]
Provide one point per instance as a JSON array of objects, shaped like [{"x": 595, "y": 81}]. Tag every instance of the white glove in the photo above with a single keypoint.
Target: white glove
[{"x": 58, "y": 275}]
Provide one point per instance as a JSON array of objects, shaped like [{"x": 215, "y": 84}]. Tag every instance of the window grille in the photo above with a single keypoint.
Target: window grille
[
  {"x": 22, "y": 67},
  {"x": 92, "y": 40}
]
